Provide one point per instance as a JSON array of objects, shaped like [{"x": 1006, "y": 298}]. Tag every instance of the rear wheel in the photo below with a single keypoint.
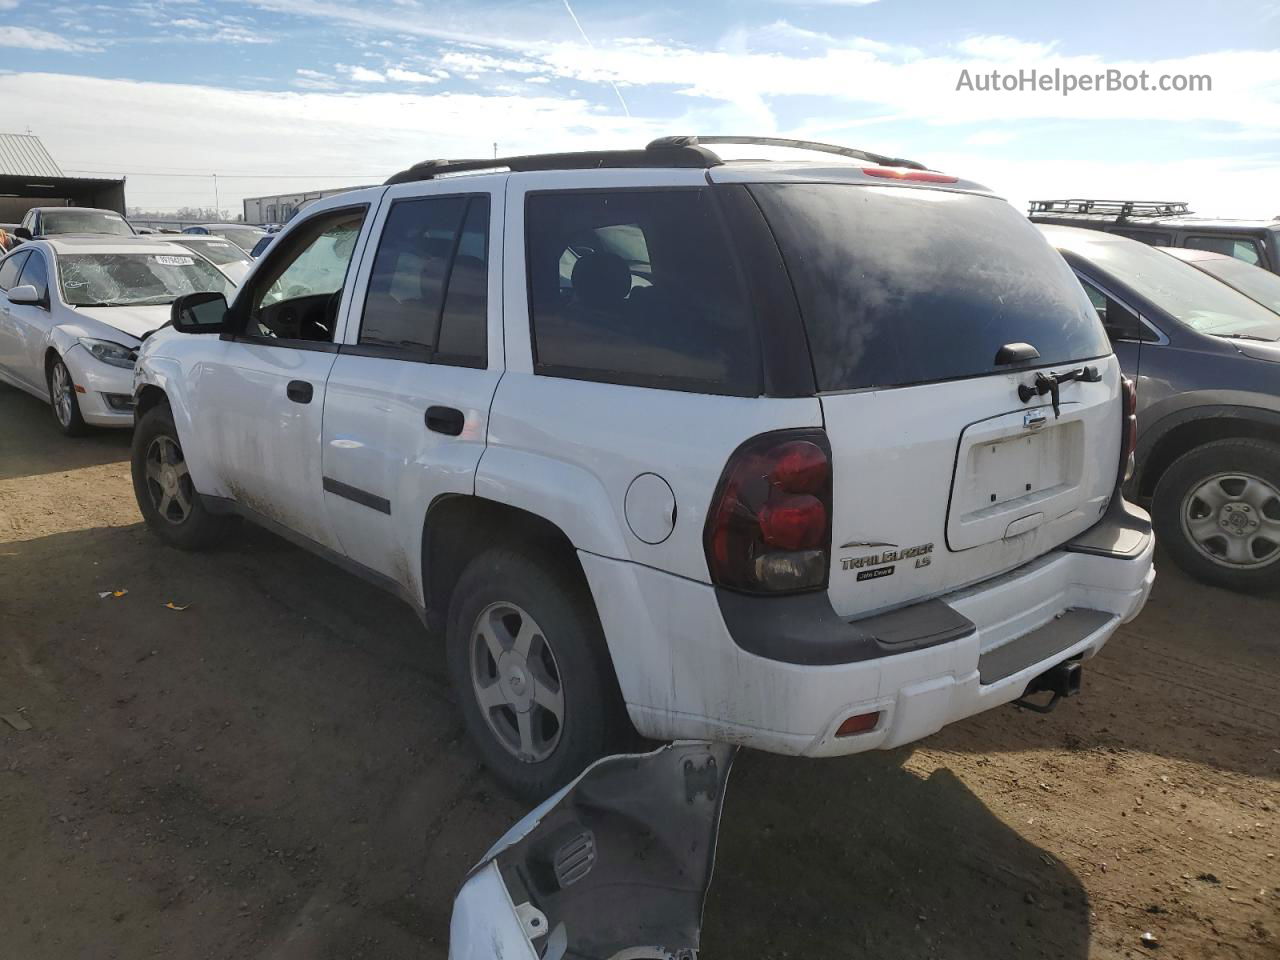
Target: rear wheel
[
  {"x": 529, "y": 666},
  {"x": 1217, "y": 512},
  {"x": 162, "y": 485},
  {"x": 63, "y": 400}
]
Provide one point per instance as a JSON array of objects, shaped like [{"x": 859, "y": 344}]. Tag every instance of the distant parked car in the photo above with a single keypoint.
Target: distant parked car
[
  {"x": 1207, "y": 363},
  {"x": 73, "y": 312},
  {"x": 242, "y": 235},
  {"x": 1168, "y": 224},
  {"x": 1253, "y": 282},
  {"x": 260, "y": 247},
  {"x": 223, "y": 254},
  {"x": 52, "y": 221}
]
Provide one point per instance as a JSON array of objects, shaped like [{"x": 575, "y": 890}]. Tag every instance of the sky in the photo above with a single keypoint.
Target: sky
[{"x": 281, "y": 95}]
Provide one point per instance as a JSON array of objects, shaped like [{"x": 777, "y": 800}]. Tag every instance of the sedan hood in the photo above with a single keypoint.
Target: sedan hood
[{"x": 134, "y": 321}]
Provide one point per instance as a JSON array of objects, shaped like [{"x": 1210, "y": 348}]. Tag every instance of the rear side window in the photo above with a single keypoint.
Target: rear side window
[
  {"x": 1241, "y": 249},
  {"x": 901, "y": 285},
  {"x": 10, "y": 268},
  {"x": 638, "y": 287},
  {"x": 428, "y": 289}
]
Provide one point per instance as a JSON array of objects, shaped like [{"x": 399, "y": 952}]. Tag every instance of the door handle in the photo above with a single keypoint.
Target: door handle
[
  {"x": 446, "y": 420},
  {"x": 299, "y": 391}
]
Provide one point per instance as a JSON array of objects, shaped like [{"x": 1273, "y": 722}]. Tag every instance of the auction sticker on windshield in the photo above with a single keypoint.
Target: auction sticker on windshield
[{"x": 174, "y": 261}]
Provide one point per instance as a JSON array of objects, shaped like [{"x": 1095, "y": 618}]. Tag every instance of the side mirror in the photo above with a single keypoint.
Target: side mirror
[
  {"x": 22, "y": 233},
  {"x": 204, "y": 312},
  {"x": 25, "y": 293}
]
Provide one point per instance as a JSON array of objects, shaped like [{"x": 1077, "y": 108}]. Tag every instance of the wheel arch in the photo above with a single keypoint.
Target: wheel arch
[
  {"x": 147, "y": 398},
  {"x": 459, "y": 527},
  {"x": 1182, "y": 432}
]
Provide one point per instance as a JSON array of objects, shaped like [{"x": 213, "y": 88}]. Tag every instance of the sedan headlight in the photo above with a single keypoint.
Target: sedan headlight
[{"x": 116, "y": 354}]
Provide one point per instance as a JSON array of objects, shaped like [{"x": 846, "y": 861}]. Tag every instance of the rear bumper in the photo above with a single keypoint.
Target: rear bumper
[{"x": 684, "y": 673}]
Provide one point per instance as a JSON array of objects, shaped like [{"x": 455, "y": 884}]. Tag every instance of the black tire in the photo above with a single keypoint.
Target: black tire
[
  {"x": 185, "y": 523},
  {"x": 66, "y": 415},
  {"x": 558, "y": 602},
  {"x": 1188, "y": 474}
]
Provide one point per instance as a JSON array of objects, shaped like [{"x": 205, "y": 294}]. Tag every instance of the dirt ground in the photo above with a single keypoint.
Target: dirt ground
[{"x": 278, "y": 771}]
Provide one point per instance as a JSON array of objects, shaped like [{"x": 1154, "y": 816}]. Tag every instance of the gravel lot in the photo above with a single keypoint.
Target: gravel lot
[{"x": 278, "y": 771}]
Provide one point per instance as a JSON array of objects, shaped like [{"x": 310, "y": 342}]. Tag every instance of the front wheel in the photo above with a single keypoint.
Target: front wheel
[
  {"x": 62, "y": 397},
  {"x": 1217, "y": 511},
  {"x": 162, "y": 485},
  {"x": 528, "y": 663}
]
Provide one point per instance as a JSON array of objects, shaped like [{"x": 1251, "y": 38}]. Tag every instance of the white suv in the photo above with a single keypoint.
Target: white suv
[{"x": 814, "y": 457}]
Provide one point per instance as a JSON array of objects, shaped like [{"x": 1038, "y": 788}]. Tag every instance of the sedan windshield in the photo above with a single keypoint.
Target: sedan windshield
[
  {"x": 215, "y": 249},
  {"x": 1201, "y": 302},
  {"x": 84, "y": 221},
  {"x": 135, "y": 279},
  {"x": 244, "y": 237},
  {"x": 1253, "y": 282}
]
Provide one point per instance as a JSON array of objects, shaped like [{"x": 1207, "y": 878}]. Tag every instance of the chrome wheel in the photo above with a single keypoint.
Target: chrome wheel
[
  {"x": 516, "y": 682},
  {"x": 168, "y": 482},
  {"x": 61, "y": 391},
  {"x": 1234, "y": 520}
]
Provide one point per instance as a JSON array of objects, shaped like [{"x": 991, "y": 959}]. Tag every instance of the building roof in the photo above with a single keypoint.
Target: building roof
[{"x": 23, "y": 155}]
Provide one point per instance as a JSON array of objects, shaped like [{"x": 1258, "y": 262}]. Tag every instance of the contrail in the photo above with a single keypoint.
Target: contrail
[{"x": 578, "y": 24}]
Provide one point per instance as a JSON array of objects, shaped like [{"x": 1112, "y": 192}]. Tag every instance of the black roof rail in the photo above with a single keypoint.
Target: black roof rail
[
  {"x": 652, "y": 156},
  {"x": 850, "y": 152},
  {"x": 663, "y": 152},
  {"x": 1117, "y": 209}
]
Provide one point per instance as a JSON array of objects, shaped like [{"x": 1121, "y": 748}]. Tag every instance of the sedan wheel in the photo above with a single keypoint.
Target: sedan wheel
[{"x": 62, "y": 398}]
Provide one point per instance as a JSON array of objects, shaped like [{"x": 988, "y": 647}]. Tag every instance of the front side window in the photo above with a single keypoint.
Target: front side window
[
  {"x": 1241, "y": 249},
  {"x": 136, "y": 279},
  {"x": 297, "y": 293},
  {"x": 638, "y": 287},
  {"x": 84, "y": 221},
  {"x": 11, "y": 267},
  {"x": 36, "y": 274}
]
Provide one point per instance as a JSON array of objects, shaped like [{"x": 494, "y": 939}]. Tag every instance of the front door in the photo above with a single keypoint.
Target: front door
[
  {"x": 261, "y": 396},
  {"x": 407, "y": 403}
]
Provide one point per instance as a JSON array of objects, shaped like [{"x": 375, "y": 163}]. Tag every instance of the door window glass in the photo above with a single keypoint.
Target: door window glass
[
  {"x": 297, "y": 293},
  {"x": 1119, "y": 321},
  {"x": 10, "y": 268},
  {"x": 36, "y": 273}
]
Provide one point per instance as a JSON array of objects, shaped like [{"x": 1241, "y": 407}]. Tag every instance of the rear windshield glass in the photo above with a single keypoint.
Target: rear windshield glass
[
  {"x": 84, "y": 221},
  {"x": 901, "y": 286},
  {"x": 1261, "y": 285}
]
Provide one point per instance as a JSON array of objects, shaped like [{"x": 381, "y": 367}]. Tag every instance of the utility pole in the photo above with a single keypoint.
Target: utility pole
[
  {"x": 217, "y": 212},
  {"x": 495, "y": 149}
]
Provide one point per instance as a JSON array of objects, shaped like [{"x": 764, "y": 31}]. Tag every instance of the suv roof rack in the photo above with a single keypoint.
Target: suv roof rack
[
  {"x": 1113, "y": 209},
  {"x": 663, "y": 152}
]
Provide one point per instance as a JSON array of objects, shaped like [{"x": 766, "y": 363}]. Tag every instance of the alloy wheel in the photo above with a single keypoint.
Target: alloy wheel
[
  {"x": 61, "y": 387},
  {"x": 168, "y": 480},
  {"x": 517, "y": 682}
]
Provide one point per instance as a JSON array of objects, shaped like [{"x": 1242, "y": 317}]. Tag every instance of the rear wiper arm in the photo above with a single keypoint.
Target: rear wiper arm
[{"x": 1049, "y": 383}]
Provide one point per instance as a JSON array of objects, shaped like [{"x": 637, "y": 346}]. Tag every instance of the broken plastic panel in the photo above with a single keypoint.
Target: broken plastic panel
[{"x": 615, "y": 866}]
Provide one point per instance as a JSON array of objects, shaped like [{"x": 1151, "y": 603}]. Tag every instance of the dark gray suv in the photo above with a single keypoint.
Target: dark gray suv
[{"x": 1207, "y": 363}]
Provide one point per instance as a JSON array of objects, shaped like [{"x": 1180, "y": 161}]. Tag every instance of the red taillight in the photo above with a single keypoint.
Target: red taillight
[
  {"x": 1129, "y": 430},
  {"x": 920, "y": 176},
  {"x": 769, "y": 527},
  {"x": 859, "y": 723}
]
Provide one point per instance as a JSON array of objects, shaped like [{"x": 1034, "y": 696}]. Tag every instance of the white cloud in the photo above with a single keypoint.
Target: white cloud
[
  {"x": 362, "y": 74},
  {"x": 827, "y": 3},
  {"x": 31, "y": 39},
  {"x": 990, "y": 138},
  {"x": 402, "y": 75},
  {"x": 8, "y": 4},
  {"x": 997, "y": 47}
]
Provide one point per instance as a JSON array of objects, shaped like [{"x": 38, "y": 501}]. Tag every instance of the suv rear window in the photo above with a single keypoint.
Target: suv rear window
[
  {"x": 638, "y": 287},
  {"x": 903, "y": 285}
]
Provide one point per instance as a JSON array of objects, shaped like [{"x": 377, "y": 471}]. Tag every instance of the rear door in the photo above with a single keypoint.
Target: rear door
[
  {"x": 943, "y": 475},
  {"x": 407, "y": 403}
]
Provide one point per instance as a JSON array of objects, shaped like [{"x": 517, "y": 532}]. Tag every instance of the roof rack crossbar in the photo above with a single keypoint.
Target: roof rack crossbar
[
  {"x": 814, "y": 145},
  {"x": 1119, "y": 209}
]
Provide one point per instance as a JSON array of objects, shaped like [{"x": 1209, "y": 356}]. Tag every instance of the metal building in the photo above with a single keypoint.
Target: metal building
[
  {"x": 29, "y": 177},
  {"x": 283, "y": 207}
]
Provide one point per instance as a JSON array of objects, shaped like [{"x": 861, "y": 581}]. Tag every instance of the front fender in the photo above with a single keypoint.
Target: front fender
[{"x": 166, "y": 374}]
